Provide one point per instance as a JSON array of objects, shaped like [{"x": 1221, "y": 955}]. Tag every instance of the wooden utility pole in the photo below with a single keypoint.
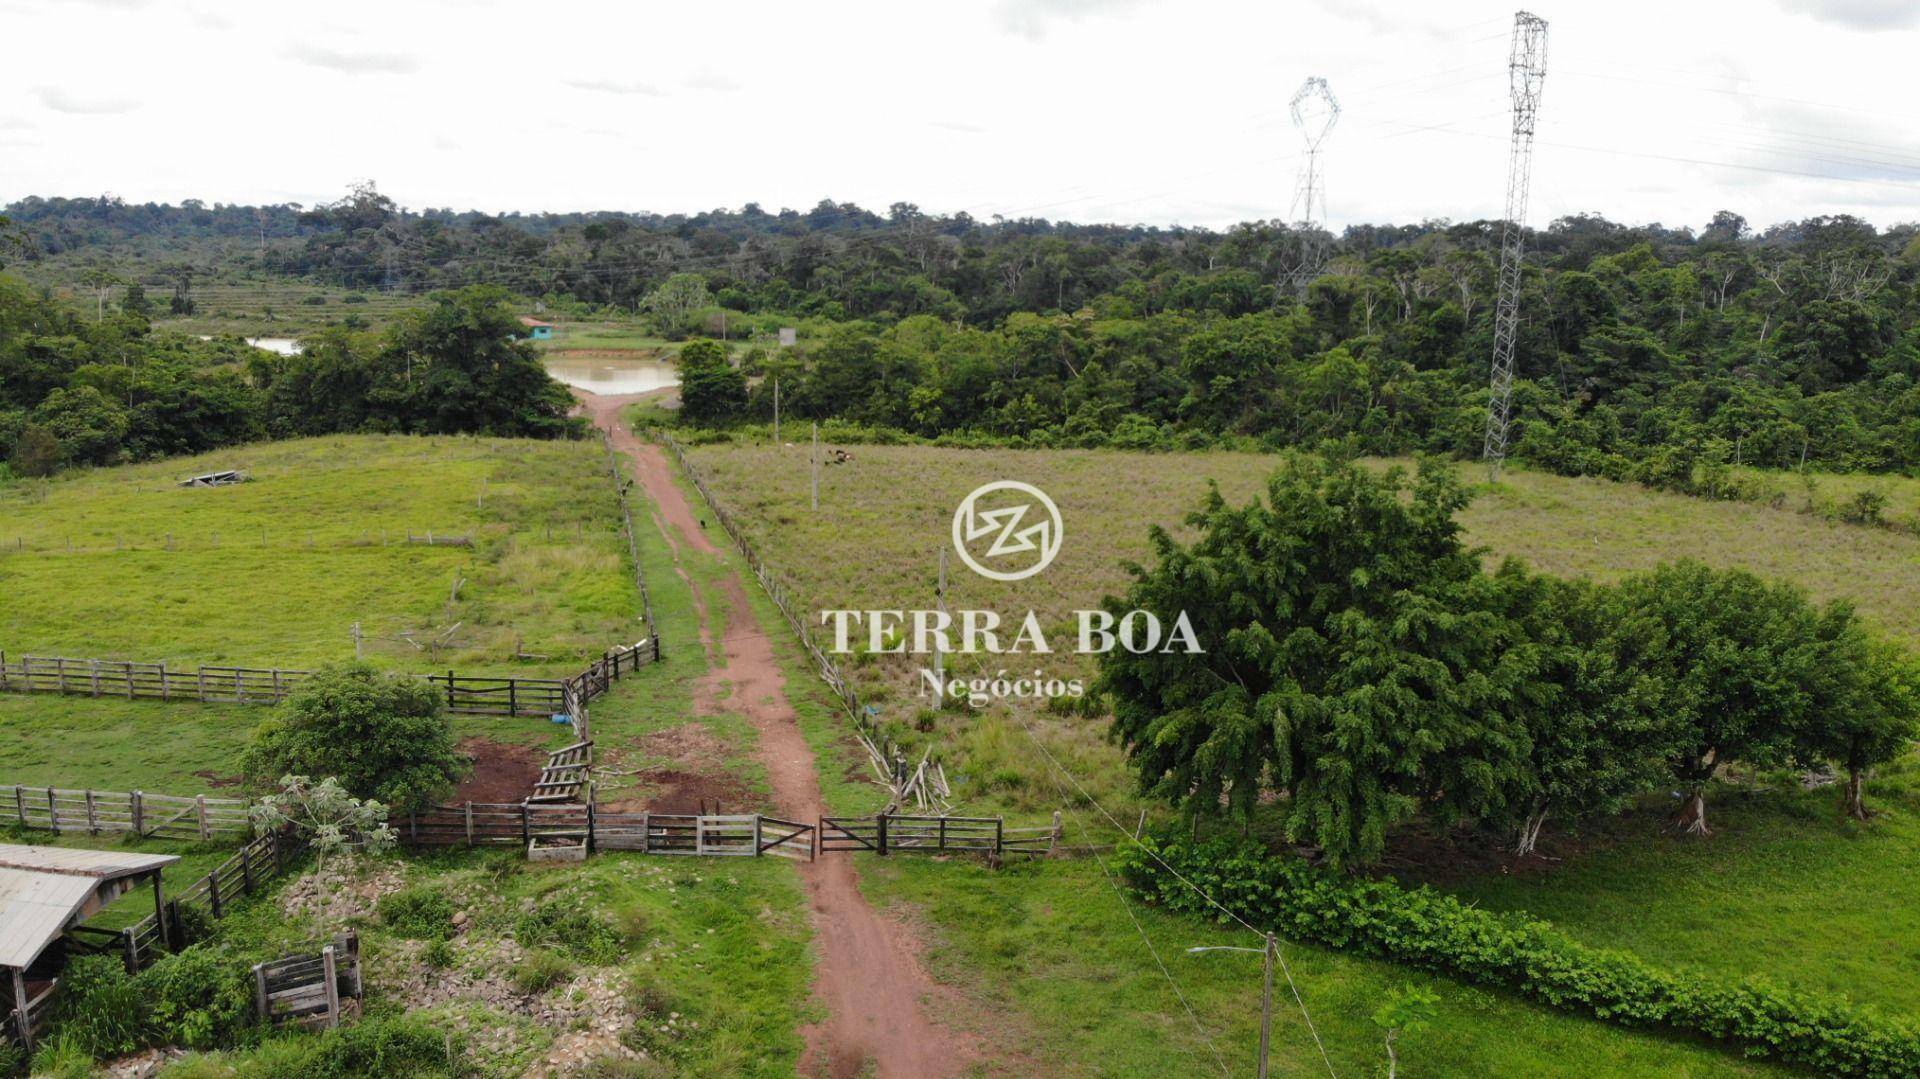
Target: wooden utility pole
[
  {"x": 813, "y": 462},
  {"x": 776, "y": 411},
  {"x": 1266, "y": 1004},
  {"x": 940, "y": 596}
]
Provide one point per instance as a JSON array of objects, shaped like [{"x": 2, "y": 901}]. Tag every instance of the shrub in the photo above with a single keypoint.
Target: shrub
[
  {"x": 1434, "y": 931},
  {"x": 540, "y": 971},
  {"x": 581, "y": 934},
  {"x": 384, "y": 737},
  {"x": 200, "y": 998},
  {"x": 1865, "y": 508},
  {"x": 438, "y": 954},
  {"x": 417, "y": 914},
  {"x": 99, "y": 1009}
]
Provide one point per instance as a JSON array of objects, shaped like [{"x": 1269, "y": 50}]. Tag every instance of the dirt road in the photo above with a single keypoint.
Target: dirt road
[{"x": 869, "y": 980}]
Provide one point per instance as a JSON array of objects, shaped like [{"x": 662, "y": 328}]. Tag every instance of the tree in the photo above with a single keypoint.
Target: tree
[
  {"x": 1595, "y": 732},
  {"x": 1735, "y": 658},
  {"x": 35, "y": 453},
  {"x": 1408, "y": 1011},
  {"x": 1352, "y": 658},
  {"x": 675, "y": 301},
  {"x": 1866, "y": 703},
  {"x": 91, "y": 429},
  {"x": 712, "y": 390},
  {"x": 457, "y": 367},
  {"x": 383, "y": 737}
]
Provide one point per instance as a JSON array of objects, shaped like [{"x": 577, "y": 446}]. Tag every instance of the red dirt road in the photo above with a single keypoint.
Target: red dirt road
[{"x": 869, "y": 979}]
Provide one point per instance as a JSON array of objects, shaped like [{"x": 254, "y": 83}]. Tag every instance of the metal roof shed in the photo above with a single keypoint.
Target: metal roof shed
[{"x": 45, "y": 891}]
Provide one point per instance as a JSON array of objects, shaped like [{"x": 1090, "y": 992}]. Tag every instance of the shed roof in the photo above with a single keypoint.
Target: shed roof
[
  {"x": 530, "y": 322},
  {"x": 42, "y": 889}
]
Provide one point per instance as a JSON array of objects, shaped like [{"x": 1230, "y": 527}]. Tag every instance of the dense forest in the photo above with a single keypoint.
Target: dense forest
[{"x": 1646, "y": 352}]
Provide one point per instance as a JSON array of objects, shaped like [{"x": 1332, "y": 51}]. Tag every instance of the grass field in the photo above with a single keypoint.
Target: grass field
[
  {"x": 1787, "y": 890},
  {"x": 122, "y": 563}
]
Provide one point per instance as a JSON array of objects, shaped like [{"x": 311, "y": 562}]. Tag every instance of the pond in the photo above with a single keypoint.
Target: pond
[{"x": 611, "y": 375}]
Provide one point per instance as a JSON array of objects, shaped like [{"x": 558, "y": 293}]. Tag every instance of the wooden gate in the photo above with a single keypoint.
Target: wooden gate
[
  {"x": 785, "y": 839},
  {"x": 891, "y": 833}
]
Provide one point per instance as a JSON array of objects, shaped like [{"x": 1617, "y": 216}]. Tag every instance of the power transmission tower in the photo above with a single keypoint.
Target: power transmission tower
[
  {"x": 1526, "y": 70},
  {"x": 1315, "y": 111}
]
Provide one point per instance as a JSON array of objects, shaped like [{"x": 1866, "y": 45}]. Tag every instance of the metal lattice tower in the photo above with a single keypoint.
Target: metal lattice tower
[
  {"x": 1526, "y": 70},
  {"x": 1315, "y": 111}
]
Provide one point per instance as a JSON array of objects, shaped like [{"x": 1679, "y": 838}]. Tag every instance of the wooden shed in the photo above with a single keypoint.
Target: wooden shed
[{"x": 44, "y": 893}]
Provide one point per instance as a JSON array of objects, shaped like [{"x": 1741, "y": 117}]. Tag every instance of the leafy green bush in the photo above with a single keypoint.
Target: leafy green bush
[
  {"x": 1434, "y": 931},
  {"x": 99, "y": 1009},
  {"x": 579, "y": 933},
  {"x": 417, "y": 914},
  {"x": 384, "y": 737},
  {"x": 438, "y": 954},
  {"x": 201, "y": 998},
  {"x": 540, "y": 971}
]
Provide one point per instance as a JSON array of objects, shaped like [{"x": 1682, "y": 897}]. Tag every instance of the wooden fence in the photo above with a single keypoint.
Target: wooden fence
[
  {"x": 620, "y": 485},
  {"x": 308, "y": 989},
  {"x": 533, "y": 825},
  {"x": 471, "y": 695},
  {"x": 216, "y": 541},
  {"x": 135, "y": 813}
]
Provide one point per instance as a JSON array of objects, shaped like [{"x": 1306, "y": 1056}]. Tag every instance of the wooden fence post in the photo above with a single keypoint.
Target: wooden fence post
[
  {"x": 590, "y": 825},
  {"x": 756, "y": 835},
  {"x": 213, "y": 891},
  {"x": 260, "y": 991},
  {"x": 93, "y": 816},
  {"x": 130, "y": 952},
  {"x": 53, "y": 812},
  {"x": 200, "y": 805},
  {"x": 165, "y": 689},
  {"x": 246, "y": 868},
  {"x": 94, "y": 671},
  {"x": 881, "y": 834},
  {"x": 333, "y": 986},
  {"x": 136, "y": 811}
]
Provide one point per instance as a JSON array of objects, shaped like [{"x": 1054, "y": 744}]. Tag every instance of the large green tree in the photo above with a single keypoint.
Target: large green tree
[{"x": 1354, "y": 658}]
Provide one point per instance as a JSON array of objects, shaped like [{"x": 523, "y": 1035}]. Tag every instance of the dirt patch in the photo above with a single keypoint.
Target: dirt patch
[
  {"x": 502, "y": 771},
  {"x": 216, "y": 780},
  {"x": 694, "y": 779}
]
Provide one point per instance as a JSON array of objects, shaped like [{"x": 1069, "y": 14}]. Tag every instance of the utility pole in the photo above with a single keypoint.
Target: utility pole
[
  {"x": 940, "y": 596},
  {"x": 1268, "y": 951},
  {"x": 813, "y": 463},
  {"x": 776, "y": 411},
  {"x": 1526, "y": 70}
]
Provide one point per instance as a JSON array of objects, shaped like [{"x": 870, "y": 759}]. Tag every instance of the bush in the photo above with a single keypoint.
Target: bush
[
  {"x": 99, "y": 1009},
  {"x": 540, "y": 971},
  {"x": 581, "y": 934},
  {"x": 384, "y": 737},
  {"x": 417, "y": 914},
  {"x": 1434, "y": 931},
  {"x": 200, "y": 998}
]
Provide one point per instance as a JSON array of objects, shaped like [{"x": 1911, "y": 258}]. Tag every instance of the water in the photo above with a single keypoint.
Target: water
[
  {"x": 612, "y": 376},
  {"x": 285, "y": 346}
]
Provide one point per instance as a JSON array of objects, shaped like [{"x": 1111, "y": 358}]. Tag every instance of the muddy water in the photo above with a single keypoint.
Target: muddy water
[{"x": 602, "y": 375}]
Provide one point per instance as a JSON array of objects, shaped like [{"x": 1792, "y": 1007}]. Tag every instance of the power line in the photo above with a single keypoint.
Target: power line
[{"x": 1285, "y": 967}]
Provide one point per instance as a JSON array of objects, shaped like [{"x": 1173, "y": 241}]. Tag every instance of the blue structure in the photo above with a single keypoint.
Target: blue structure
[{"x": 536, "y": 329}]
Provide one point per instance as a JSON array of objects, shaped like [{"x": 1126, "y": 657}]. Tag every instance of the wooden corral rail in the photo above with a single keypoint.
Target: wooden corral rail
[
  {"x": 566, "y": 774},
  {"x": 36, "y": 1022},
  {"x": 533, "y": 825},
  {"x": 891, "y": 833},
  {"x": 130, "y": 812},
  {"x": 308, "y": 989},
  {"x": 881, "y": 748},
  {"x": 467, "y": 695}
]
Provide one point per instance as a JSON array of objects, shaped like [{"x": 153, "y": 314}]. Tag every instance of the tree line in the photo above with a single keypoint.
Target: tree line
[
  {"x": 78, "y": 390},
  {"x": 1361, "y": 662}
]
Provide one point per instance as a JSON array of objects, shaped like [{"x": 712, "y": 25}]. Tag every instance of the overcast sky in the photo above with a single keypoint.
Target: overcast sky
[{"x": 1087, "y": 110}]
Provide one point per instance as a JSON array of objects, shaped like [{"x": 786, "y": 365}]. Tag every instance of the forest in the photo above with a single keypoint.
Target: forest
[{"x": 1646, "y": 352}]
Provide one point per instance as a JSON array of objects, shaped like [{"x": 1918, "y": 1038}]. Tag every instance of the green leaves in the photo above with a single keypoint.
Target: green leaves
[{"x": 1434, "y": 931}]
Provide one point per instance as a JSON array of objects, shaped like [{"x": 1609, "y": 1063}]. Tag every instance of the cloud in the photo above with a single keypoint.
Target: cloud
[
  {"x": 14, "y": 123},
  {"x": 711, "y": 80},
  {"x": 212, "y": 20},
  {"x": 1860, "y": 14},
  {"x": 614, "y": 86},
  {"x": 956, "y": 125},
  {"x": 360, "y": 63},
  {"x": 79, "y": 105},
  {"x": 1032, "y": 19}
]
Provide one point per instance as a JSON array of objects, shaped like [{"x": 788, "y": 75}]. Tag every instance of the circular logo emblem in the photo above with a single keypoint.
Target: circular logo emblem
[{"x": 1005, "y": 519}]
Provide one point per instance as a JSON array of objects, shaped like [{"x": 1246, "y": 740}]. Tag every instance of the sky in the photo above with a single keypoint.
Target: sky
[{"x": 1084, "y": 110}]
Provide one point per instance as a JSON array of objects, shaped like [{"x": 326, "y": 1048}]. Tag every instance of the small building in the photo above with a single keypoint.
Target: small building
[
  {"x": 44, "y": 893},
  {"x": 536, "y": 329}
]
